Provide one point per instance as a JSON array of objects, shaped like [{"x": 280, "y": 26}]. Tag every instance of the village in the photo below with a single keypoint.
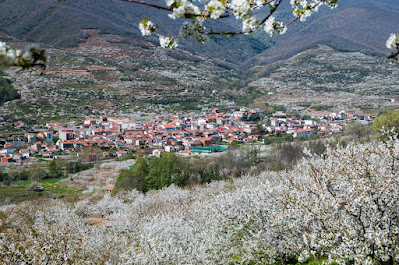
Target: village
[{"x": 211, "y": 132}]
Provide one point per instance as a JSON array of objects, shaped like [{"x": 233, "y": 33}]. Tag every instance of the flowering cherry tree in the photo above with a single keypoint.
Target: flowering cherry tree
[{"x": 346, "y": 203}]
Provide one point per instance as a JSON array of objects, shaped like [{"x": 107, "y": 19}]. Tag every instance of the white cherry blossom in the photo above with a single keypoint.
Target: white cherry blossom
[
  {"x": 167, "y": 42},
  {"x": 393, "y": 41}
]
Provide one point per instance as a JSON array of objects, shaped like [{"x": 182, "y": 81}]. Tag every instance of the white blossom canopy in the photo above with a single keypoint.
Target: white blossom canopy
[{"x": 340, "y": 207}]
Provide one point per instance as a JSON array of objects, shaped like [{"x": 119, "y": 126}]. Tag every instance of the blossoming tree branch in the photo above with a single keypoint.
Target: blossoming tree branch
[
  {"x": 195, "y": 13},
  {"x": 253, "y": 15},
  {"x": 393, "y": 43},
  {"x": 31, "y": 56}
]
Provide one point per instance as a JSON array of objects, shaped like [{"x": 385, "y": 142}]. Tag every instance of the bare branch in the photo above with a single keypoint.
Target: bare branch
[
  {"x": 169, "y": 9},
  {"x": 148, "y": 4},
  {"x": 271, "y": 12}
]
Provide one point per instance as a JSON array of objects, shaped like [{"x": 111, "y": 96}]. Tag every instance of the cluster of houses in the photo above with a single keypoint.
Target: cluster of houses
[
  {"x": 321, "y": 123},
  {"x": 172, "y": 134},
  {"x": 180, "y": 134}
]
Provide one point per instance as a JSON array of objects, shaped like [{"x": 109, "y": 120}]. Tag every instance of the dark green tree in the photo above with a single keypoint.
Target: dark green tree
[
  {"x": 134, "y": 178},
  {"x": 53, "y": 169},
  {"x": 388, "y": 120},
  {"x": 37, "y": 174},
  {"x": 7, "y": 91},
  {"x": 155, "y": 173},
  {"x": 153, "y": 178},
  {"x": 209, "y": 175}
]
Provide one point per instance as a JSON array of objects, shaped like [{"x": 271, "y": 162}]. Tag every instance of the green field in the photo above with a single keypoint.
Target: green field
[
  {"x": 19, "y": 191},
  {"x": 15, "y": 194}
]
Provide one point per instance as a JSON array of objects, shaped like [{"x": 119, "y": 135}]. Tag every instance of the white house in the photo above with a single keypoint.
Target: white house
[{"x": 303, "y": 133}]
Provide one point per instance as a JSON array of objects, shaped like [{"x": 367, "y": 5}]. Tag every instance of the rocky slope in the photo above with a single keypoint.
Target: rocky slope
[
  {"x": 326, "y": 76},
  {"x": 105, "y": 75}
]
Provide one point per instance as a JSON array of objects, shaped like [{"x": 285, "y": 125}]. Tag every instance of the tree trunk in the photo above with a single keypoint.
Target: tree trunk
[{"x": 283, "y": 259}]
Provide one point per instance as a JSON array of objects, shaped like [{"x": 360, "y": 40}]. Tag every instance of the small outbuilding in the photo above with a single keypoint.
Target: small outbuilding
[{"x": 108, "y": 188}]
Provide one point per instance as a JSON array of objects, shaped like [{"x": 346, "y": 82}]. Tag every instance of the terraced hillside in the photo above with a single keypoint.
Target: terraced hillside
[
  {"x": 101, "y": 64},
  {"x": 106, "y": 74},
  {"x": 328, "y": 77}
]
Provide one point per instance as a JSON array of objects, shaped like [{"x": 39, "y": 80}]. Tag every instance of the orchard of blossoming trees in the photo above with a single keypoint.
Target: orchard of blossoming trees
[{"x": 341, "y": 207}]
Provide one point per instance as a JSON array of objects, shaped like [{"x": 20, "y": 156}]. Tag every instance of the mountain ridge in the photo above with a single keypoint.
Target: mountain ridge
[{"x": 347, "y": 29}]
